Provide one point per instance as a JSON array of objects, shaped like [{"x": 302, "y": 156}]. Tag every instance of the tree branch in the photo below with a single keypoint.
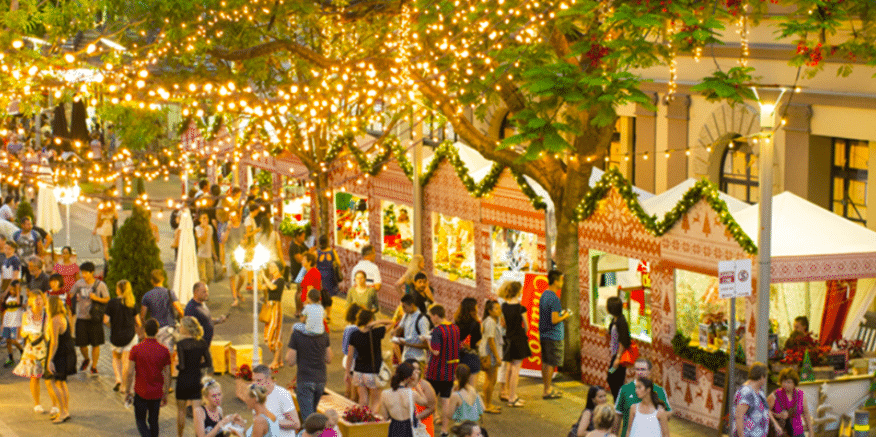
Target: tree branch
[{"x": 271, "y": 47}]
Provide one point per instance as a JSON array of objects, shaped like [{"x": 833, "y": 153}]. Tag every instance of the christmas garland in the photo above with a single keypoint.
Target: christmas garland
[
  {"x": 375, "y": 166},
  {"x": 713, "y": 361},
  {"x": 446, "y": 150},
  {"x": 701, "y": 190}
]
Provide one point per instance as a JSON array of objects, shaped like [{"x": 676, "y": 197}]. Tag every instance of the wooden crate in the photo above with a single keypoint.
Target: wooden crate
[
  {"x": 336, "y": 401},
  {"x": 218, "y": 354},
  {"x": 238, "y": 355}
]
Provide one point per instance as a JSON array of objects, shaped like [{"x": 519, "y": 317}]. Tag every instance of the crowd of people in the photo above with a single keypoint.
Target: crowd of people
[{"x": 432, "y": 383}]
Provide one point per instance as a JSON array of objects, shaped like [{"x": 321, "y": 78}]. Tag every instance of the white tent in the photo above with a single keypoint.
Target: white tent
[
  {"x": 185, "y": 275},
  {"x": 662, "y": 203},
  {"x": 810, "y": 244},
  {"x": 801, "y": 228}
]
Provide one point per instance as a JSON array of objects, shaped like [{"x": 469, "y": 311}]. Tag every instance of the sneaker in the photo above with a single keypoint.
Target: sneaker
[
  {"x": 94, "y": 371},
  {"x": 8, "y": 363},
  {"x": 84, "y": 365},
  {"x": 38, "y": 409},
  {"x": 54, "y": 411}
]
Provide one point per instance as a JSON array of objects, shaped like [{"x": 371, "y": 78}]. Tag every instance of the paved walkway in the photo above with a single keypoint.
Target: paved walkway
[{"x": 98, "y": 411}]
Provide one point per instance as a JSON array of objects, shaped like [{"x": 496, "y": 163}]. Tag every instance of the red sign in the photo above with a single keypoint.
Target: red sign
[{"x": 534, "y": 285}]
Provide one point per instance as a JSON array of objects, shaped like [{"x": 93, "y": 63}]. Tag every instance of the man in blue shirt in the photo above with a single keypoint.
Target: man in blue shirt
[
  {"x": 164, "y": 307},
  {"x": 197, "y": 308},
  {"x": 551, "y": 332}
]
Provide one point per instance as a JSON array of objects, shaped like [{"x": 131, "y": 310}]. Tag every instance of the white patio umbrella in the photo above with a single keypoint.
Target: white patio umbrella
[
  {"x": 48, "y": 213},
  {"x": 185, "y": 275}
]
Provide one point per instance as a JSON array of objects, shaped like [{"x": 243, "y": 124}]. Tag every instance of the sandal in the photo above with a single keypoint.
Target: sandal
[
  {"x": 552, "y": 395},
  {"x": 235, "y": 303},
  {"x": 493, "y": 410},
  {"x": 517, "y": 403}
]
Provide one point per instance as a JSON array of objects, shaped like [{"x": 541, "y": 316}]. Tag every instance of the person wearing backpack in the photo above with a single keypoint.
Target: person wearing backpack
[
  {"x": 89, "y": 293},
  {"x": 413, "y": 325}
]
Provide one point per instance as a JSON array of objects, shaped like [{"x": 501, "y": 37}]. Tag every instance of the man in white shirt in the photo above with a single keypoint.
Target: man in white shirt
[
  {"x": 414, "y": 323},
  {"x": 279, "y": 401},
  {"x": 372, "y": 273}
]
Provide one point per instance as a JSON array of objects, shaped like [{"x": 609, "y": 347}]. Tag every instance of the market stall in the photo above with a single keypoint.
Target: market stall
[{"x": 670, "y": 278}]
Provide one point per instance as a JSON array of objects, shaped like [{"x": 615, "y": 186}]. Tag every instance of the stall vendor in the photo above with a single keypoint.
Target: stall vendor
[{"x": 801, "y": 328}]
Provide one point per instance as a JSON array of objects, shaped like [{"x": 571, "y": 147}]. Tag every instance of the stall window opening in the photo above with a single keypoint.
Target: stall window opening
[{"x": 627, "y": 278}]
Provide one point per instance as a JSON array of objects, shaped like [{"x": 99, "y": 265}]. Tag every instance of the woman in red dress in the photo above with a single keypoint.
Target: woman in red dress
[{"x": 67, "y": 268}]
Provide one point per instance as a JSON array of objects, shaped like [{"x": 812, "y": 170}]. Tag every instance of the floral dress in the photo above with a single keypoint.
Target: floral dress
[{"x": 33, "y": 358}]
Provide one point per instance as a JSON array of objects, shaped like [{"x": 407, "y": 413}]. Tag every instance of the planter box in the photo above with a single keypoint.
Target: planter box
[
  {"x": 337, "y": 402},
  {"x": 238, "y": 355}
]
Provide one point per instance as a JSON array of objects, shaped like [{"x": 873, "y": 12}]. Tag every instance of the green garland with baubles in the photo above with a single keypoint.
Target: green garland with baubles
[{"x": 702, "y": 190}]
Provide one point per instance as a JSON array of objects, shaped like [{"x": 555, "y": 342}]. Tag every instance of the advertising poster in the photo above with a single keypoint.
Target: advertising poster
[{"x": 534, "y": 284}]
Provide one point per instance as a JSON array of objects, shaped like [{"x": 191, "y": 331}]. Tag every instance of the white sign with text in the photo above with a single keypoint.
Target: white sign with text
[{"x": 734, "y": 278}]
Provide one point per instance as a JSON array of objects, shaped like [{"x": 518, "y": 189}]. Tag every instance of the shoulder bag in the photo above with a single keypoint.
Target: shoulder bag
[
  {"x": 336, "y": 267},
  {"x": 95, "y": 245},
  {"x": 417, "y": 427},
  {"x": 630, "y": 355},
  {"x": 384, "y": 374},
  {"x": 98, "y": 309},
  {"x": 786, "y": 424}
]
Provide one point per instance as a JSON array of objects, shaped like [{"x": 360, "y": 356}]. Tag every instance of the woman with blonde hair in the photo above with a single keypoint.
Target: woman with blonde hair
[
  {"x": 33, "y": 358},
  {"x": 123, "y": 321},
  {"x": 416, "y": 265},
  {"x": 61, "y": 356},
  {"x": 208, "y": 420},
  {"x": 603, "y": 419},
  {"x": 264, "y": 423},
  {"x": 192, "y": 353}
]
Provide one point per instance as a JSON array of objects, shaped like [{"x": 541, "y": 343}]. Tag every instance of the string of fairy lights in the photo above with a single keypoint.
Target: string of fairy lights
[{"x": 456, "y": 58}]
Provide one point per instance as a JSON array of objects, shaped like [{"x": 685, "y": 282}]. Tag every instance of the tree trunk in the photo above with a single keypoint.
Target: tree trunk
[
  {"x": 566, "y": 198},
  {"x": 566, "y": 258},
  {"x": 324, "y": 204}
]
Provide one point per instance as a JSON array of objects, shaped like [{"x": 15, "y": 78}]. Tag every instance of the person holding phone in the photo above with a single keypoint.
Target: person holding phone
[{"x": 551, "y": 332}]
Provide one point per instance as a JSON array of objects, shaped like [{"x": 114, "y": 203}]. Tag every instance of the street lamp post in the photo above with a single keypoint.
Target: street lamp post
[
  {"x": 66, "y": 196},
  {"x": 765, "y": 213},
  {"x": 253, "y": 259}
]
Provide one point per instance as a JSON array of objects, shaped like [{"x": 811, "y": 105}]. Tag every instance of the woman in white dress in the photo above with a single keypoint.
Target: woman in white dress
[{"x": 643, "y": 416}]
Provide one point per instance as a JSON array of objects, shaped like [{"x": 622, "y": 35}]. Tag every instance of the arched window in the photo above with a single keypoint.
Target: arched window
[{"x": 739, "y": 170}]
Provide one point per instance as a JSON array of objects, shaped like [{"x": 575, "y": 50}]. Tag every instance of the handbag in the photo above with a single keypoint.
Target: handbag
[
  {"x": 384, "y": 374},
  {"x": 786, "y": 424},
  {"x": 417, "y": 427},
  {"x": 265, "y": 313},
  {"x": 95, "y": 245},
  {"x": 336, "y": 267},
  {"x": 630, "y": 355}
]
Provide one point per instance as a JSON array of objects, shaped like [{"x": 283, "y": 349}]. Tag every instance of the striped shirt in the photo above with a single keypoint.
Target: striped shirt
[{"x": 445, "y": 339}]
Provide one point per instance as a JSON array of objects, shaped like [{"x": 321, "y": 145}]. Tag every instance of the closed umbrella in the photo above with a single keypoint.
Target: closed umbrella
[
  {"x": 48, "y": 214},
  {"x": 185, "y": 276}
]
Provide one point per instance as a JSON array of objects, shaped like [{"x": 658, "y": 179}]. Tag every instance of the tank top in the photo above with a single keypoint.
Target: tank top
[
  {"x": 468, "y": 411},
  {"x": 645, "y": 425},
  {"x": 209, "y": 423}
]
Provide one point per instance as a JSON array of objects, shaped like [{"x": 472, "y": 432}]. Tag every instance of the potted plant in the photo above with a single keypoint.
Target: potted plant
[
  {"x": 359, "y": 421},
  {"x": 242, "y": 381}
]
